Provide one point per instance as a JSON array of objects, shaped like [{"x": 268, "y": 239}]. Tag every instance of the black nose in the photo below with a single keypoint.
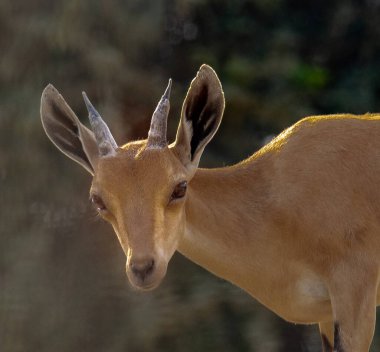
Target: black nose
[{"x": 142, "y": 267}]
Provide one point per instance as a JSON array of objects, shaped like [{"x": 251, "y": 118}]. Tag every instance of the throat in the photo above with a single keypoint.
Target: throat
[
  {"x": 208, "y": 252},
  {"x": 220, "y": 216}
]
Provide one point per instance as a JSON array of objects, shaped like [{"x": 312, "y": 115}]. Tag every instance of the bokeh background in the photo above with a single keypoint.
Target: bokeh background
[{"x": 62, "y": 282}]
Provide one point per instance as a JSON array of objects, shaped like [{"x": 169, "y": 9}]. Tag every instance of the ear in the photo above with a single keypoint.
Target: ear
[
  {"x": 201, "y": 114},
  {"x": 65, "y": 130}
]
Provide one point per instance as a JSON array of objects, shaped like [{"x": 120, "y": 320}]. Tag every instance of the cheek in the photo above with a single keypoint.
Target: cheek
[{"x": 173, "y": 230}]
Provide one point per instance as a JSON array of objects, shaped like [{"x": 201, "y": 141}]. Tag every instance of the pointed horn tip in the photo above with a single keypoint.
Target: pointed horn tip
[
  {"x": 90, "y": 108},
  {"x": 168, "y": 90},
  {"x": 85, "y": 98}
]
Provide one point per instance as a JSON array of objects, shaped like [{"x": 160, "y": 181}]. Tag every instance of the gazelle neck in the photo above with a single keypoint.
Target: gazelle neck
[{"x": 224, "y": 218}]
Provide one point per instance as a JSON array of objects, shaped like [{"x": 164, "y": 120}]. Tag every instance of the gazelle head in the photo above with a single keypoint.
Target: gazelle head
[{"x": 140, "y": 187}]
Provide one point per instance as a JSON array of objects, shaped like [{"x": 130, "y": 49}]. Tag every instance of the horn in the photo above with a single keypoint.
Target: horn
[
  {"x": 106, "y": 143},
  {"x": 158, "y": 125}
]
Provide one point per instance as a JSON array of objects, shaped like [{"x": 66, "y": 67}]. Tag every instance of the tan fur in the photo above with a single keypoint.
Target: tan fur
[{"x": 296, "y": 225}]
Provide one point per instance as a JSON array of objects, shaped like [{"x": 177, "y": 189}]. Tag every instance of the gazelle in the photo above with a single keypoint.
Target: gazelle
[{"x": 296, "y": 225}]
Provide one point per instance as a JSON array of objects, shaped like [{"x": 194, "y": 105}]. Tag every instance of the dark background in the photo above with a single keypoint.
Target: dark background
[{"x": 62, "y": 281}]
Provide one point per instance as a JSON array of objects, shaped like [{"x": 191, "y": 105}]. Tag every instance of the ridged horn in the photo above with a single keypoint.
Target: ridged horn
[
  {"x": 158, "y": 124},
  {"x": 104, "y": 139}
]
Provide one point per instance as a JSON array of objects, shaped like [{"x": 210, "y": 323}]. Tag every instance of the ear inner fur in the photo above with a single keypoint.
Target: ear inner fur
[
  {"x": 201, "y": 115},
  {"x": 65, "y": 130}
]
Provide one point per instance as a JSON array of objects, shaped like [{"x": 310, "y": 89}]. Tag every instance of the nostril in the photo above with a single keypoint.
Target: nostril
[{"x": 142, "y": 268}]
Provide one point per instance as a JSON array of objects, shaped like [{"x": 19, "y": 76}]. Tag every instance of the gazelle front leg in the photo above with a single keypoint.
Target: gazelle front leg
[
  {"x": 353, "y": 298},
  {"x": 326, "y": 330}
]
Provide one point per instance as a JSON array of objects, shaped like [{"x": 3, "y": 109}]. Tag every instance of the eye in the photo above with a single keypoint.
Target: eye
[
  {"x": 179, "y": 191},
  {"x": 98, "y": 203}
]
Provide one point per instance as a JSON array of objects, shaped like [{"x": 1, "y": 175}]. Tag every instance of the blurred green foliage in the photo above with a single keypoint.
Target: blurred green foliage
[{"x": 63, "y": 285}]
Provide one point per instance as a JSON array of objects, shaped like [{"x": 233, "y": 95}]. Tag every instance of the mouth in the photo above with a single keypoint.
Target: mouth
[{"x": 145, "y": 287}]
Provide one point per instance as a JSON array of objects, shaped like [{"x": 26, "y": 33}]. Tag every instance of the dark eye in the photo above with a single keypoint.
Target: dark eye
[
  {"x": 179, "y": 191},
  {"x": 98, "y": 203}
]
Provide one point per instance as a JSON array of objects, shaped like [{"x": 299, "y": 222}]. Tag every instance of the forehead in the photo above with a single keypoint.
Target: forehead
[{"x": 135, "y": 165}]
